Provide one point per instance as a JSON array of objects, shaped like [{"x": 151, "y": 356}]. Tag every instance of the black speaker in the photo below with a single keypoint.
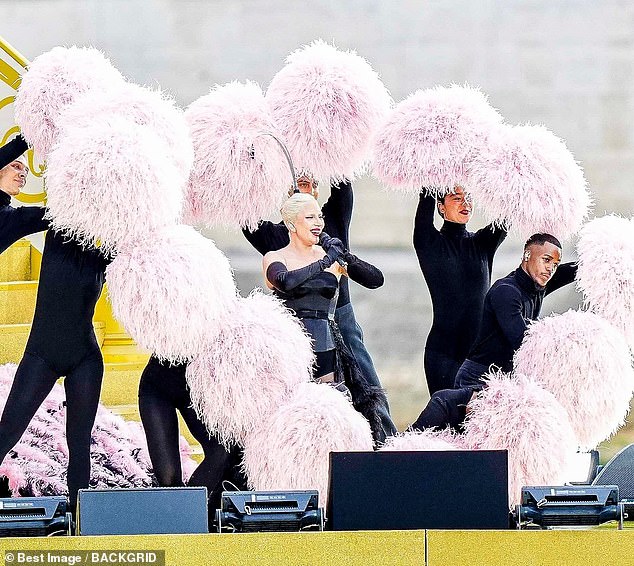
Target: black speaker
[
  {"x": 619, "y": 471},
  {"x": 458, "y": 489},
  {"x": 163, "y": 510}
]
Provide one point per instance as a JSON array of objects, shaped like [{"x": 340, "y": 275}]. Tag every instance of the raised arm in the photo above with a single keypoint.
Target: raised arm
[
  {"x": 565, "y": 274},
  {"x": 490, "y": 237},
  {"x": 337, "y": 211},
  {"x": 11, "y": 151},
  {"x": 424, "y": 229},
  {"x": 267, "y": 237}
]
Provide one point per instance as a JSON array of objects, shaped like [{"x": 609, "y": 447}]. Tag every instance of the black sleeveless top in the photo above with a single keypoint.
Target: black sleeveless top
[{"x": 314, "y": 302}]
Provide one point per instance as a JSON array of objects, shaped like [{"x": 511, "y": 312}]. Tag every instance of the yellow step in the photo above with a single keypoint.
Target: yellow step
[
  {"x": 121, "y": 383},
  {"x": 15, "y": 262},
  {"x": 124, "y": 354},
  {"x": 17, "y": 301},
  {"x": 13, "y": 339}
]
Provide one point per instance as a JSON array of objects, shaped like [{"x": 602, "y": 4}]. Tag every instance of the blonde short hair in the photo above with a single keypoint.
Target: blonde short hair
[{"x": 293, "y": 205}]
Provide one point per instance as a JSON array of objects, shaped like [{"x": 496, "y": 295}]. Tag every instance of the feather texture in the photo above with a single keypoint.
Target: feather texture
[
  {"x": 327, "y": 105},
  {"x": 240, "y": 175},
  {"x": 429, "y": 138},
  {"x": 170, "y": 290},
  {"x": 249, "y": 366}
]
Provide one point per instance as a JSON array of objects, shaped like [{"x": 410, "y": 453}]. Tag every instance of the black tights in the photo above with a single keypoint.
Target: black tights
[
  {"x": 33, "y": 381},
  {"x": 162, "y": 391}
]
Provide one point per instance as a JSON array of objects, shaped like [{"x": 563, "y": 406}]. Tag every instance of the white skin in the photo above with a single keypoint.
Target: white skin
[
  {"x": 303, "y": 248},
  {"x": 13, "y": 176},
  {"x": 457, "y": 207}
]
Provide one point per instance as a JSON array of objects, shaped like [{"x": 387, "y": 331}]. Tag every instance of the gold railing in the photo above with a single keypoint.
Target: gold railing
[{"x": 12, "y": 77}]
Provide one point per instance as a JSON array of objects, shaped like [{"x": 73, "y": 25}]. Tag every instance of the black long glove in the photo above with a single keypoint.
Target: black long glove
[
  {"x": 284, "y": 280},
  {"x": 363, "y": 272},
  {"x": 358, "y": 270}
]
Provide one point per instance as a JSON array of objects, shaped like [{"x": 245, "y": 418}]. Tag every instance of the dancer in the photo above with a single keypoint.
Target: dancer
[
  {"x": 308, "y": 281},
  {"x": 511, "y": 303},
  {"x": 456, "y": 265},
  {"x": 337, "y": 215},
  {"x": 15, "y": 223},
  {"x": 62, "y": 342},
  {"x": 163, "y": 390}
]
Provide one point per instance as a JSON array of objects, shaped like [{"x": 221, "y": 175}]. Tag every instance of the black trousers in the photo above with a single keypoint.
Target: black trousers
[
  {"x": 163, "y": 391},
  {"x": 33, "y": 381}
]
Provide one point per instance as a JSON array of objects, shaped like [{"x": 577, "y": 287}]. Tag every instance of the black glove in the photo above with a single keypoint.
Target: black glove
[{"x": 333, "y": 247}]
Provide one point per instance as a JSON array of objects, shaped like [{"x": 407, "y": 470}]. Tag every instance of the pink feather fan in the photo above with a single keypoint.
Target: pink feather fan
[
  {"x": 249, "y": 366},
  {"x": 527, "y": 179},
  {"x": 514, "y": 413},
  {"x": 606, "y": 271},
  {"x": 170, "y": 290},
  {"x": 54, "y": 80},
  {"x": 110, "y": 180},
  {"x": 290, "y": 449},
  {"x": 327, "y": 105},
  {"x": 429, "y": 138},
  {"x": 586, "y": 364},
  {"x": 240, "y": 174},
  {"x": 427, "y": 439}
]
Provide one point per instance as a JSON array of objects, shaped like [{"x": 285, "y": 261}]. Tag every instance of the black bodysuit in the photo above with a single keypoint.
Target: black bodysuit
[
  {"x": 457, "y": 267},
  {"x": 15, "y": 223},
  {"x": 61, "y": 343}
]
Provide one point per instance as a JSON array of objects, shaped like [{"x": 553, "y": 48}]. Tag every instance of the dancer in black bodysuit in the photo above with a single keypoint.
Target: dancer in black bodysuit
[
  {"x": 337, "y": 215},
  {"x": 163, "y": 390},
  {"x": 457, "y": 267},
  {"x": 61, "y": 343},
  {"x": 511, "y": 303},
  {"x": 310, "y": 290},
  {"x": 15, "y": 223}
]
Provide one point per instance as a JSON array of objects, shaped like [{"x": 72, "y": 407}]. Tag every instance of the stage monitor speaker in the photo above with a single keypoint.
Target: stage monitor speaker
[
  {"x": 163, "y": 510},
  {"x": 619, "y": 471},
  {"x": 459, "y": 489}
]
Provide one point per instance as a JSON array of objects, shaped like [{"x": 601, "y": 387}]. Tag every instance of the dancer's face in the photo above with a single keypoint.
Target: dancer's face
[
  {"x": 307, "y": 186},
  {"x": 540, "y": 261},
  {"x": 13, "y": 177},
  {"x": 457, "y": 206},
  {"x": 309, "y": 223}
]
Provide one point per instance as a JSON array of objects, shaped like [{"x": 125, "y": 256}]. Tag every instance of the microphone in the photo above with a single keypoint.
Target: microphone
[{"x": 323, "y": 241}]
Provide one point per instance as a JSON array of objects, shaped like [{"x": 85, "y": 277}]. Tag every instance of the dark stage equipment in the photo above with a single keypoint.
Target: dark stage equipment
[
  {"x": 163, "y": 510},
  {"x": 34, "y": 517},
  {"x": 253, "y": 511},
  {"x": 568, "y": 506},
  {"x": 458, "y": 489}
]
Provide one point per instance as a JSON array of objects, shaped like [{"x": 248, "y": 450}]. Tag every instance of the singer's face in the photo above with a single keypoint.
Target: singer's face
[{"x": 309, "y": 223}]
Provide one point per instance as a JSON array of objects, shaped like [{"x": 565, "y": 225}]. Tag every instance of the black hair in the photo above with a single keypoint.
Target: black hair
[{"x": 541, "y": 238}]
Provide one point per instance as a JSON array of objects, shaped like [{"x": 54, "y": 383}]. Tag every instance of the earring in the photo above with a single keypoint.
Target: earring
[{"x": 527, "y": 255}]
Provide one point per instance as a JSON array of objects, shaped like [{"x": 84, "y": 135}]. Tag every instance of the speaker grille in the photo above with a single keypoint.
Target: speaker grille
[{"x": 619, "y": 471}]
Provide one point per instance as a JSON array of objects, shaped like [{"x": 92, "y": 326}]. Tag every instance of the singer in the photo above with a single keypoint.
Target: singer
[{"x": 305, "y": 274}]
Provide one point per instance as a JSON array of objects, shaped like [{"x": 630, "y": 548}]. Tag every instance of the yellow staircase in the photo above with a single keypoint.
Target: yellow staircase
[{"x": 123, "y": 360}]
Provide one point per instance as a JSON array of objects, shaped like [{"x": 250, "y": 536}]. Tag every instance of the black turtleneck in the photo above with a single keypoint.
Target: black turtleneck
[
  {"x": 457, "y": 266},
  {"x": 509, "y": 306},
  {"x": 15, "y": 223}
]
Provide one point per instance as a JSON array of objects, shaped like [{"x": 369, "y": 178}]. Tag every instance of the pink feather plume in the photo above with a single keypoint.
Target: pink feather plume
[
  {"x": 429, "y": 138},
  {"x": 54, "y": 80},
  {"x": 240, "y": 175},
  {"x": 170, "y": 290},
  {"x": 328, "y": 104}
]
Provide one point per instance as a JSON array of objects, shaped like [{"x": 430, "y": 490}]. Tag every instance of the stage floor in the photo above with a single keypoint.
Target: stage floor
[{"x": 384, "y": 548}]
